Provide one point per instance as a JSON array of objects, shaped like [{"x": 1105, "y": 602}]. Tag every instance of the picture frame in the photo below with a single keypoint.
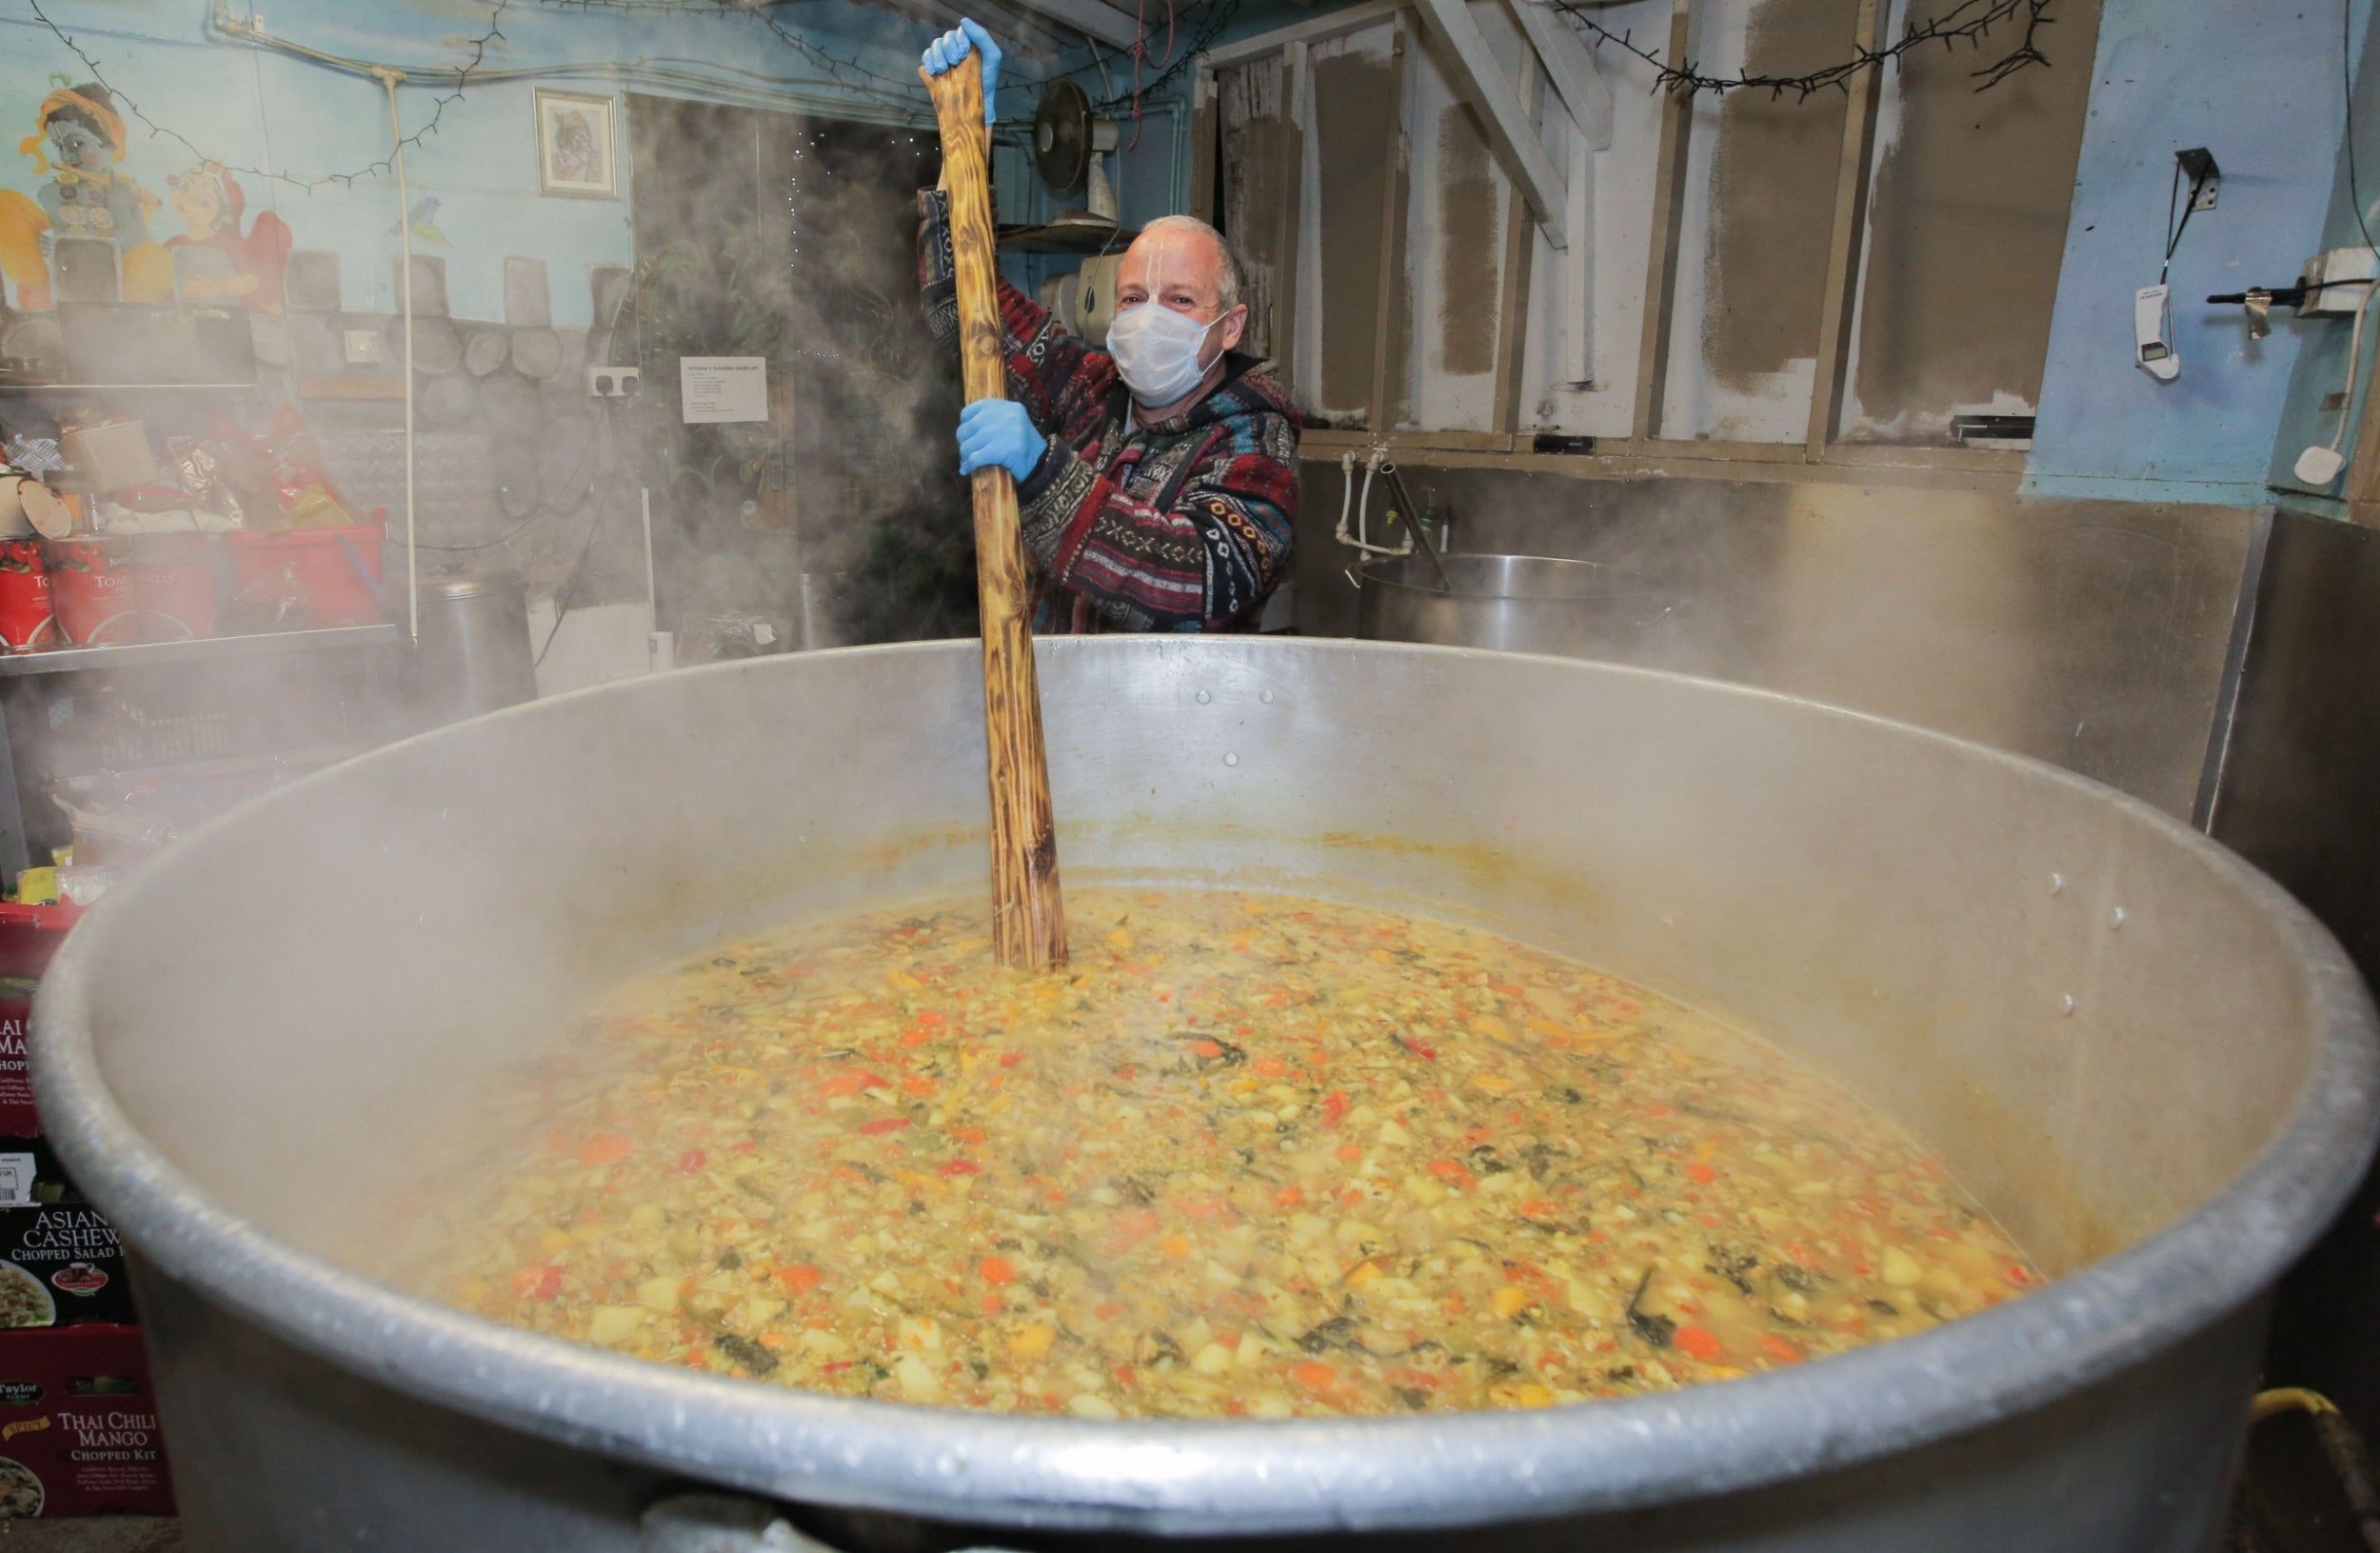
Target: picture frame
[{"x": 577, "y": 145}]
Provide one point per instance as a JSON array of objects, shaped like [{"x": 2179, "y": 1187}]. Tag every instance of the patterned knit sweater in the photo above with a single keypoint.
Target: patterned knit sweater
[{"x": 1180, "y": 526}]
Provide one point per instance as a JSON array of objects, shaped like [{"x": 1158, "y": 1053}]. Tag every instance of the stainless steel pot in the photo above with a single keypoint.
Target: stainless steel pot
[
  {"x": 474, "y": 653},
  {"x": 2154, "y": 1067},
  {"x": 1511, "y": 602}
]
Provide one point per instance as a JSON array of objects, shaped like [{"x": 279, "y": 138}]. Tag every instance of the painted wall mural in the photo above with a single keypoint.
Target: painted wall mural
[{"x": 77, "y": 147}]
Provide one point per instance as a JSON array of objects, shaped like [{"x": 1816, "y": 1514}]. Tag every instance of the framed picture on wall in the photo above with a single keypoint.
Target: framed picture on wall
[{"x": 575, "y": 146}]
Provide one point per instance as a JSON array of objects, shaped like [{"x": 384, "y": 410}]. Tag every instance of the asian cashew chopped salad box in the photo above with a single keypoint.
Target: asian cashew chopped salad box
[
  {"x": 78, "y": 1425},
  {"x": 60, "y": 1264},
  {"x": 61, "y": 1260}
]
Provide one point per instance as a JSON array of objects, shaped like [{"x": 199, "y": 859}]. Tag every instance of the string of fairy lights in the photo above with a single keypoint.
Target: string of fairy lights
[
  {"x": 461, "y": 75},
  {"x": 1972, "y": 23},
  {"x": 1969, "y": 22},
  {"x": 834, "y": 76}
]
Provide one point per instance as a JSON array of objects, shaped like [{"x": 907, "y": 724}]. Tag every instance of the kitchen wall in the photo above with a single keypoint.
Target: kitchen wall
[
  {"x": 2260, "y": 86},
  {"x": 1980, "y": 290},
  {"x": 194, "y": 93},
  {"x": 273, "y": 171},
  {"x": 2312, "y": 415}
]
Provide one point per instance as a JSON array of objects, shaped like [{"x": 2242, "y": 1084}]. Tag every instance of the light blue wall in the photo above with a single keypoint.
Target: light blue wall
[
  {"x": 247, "y": 106},
  {"x": 2259, "y": 84},
  {"x": 2321, "y": 367}
]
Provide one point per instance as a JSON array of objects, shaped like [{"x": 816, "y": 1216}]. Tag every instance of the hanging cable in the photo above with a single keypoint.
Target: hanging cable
[
  {"x": 2172, "y": 233},
  {"x": 2347, "y": 89},
  {"x": 388, "y": 79}
]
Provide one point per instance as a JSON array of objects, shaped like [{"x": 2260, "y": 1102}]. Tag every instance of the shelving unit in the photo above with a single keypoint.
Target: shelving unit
[
  {"x": 1067, "y": 239},
  {"x": 46, "y": 919},
  {"x": 16, "y": 387},
  {"x": 187, "y": 751},
  {"x": 167, "y": 739},
  {"x": 69, "y": 659}
]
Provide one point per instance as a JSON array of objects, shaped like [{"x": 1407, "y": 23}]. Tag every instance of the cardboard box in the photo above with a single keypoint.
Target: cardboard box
[
  {"x": 18, "y": 1119},
  {"x": 60, "y": 1263},
  {"x": 110, "y": 458},
  {"x": 31, "y": 1175},
  {"x": 78, "y": 1425}
]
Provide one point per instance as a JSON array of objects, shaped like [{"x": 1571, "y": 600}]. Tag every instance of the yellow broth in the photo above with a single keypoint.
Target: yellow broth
[{"x": 1249, "y": 1155}]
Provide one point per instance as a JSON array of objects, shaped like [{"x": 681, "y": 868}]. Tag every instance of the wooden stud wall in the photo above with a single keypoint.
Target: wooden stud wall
[{"x": 1645, "y": 452}]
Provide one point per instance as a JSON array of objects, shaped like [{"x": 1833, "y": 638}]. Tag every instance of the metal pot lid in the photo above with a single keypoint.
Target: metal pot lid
[
  {"x": 437, "y": 344},
  {"x": 536, "y": 352},
  {"x": 448, "y": 402},
  {"x": 484, "y": 350},
  {"x": 50, "y": 517}
]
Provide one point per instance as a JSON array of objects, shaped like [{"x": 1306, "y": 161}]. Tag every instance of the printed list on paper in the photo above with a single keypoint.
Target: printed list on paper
[{"x": 715, "y": 390}]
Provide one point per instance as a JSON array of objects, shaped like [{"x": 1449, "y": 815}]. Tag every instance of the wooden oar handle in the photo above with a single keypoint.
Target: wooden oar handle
[{"x": 1028, "y": 918}]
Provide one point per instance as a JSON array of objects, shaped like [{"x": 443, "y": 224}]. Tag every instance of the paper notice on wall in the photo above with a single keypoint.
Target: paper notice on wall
[{"x": 715, "y": 390}]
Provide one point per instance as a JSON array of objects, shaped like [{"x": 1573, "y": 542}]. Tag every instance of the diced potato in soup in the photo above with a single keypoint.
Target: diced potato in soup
[{"x": 1249, "y": 1155}]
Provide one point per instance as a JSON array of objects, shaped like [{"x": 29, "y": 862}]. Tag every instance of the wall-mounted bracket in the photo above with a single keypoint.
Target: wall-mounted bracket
[{"x": 2205, "y": 177}]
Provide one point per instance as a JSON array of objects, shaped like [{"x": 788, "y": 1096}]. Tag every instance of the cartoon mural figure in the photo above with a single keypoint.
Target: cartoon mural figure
[
  {"x": 210, "y": 203},
  {"x": 85, "y": 197}
]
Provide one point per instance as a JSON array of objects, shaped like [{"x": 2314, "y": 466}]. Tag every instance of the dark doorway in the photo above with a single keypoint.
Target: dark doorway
[{"x": 841, "y": 517}]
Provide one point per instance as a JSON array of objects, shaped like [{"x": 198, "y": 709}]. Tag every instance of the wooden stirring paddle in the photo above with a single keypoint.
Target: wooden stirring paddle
[{"x": 1028, "y": 921}]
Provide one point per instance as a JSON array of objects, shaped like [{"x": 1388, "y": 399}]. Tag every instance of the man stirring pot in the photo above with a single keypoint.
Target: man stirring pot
[{"x": 1156, "y": 480}]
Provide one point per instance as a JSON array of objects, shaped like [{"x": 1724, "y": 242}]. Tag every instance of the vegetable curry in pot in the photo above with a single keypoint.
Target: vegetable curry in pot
[{"x": 1249, "y": 1155}]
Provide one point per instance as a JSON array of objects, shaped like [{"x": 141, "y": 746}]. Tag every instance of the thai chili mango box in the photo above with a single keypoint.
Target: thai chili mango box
[
  {"x": 78, "y": 1425},
  {"x": 17, "y": 1117}
]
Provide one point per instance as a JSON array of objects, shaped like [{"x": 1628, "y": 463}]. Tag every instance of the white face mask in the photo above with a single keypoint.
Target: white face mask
[{"x": 1157, "y": 351}]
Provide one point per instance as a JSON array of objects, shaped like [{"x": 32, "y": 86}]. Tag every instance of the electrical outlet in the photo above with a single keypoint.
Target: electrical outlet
[
  {"x": 2337, "y": 273},
  {"x": 614, "y": 382},
  {"x": 363, "y": 347}
]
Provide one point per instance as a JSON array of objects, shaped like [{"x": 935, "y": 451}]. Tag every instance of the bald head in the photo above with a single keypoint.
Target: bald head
[
  {"x": 1186, "y": 234},
  {"x": 1182, "y": 262}
]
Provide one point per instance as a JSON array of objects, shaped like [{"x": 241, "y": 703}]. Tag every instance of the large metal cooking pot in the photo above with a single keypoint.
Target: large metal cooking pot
[
  {"x": 2157, "y": 1068},
  {"x": 1511, "y": 602}
]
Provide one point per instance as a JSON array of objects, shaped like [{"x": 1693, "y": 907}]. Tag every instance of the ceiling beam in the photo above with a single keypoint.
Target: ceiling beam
[
  {"x": 1038, "y": 38},
  {"x": 1479, "y": 79},
  {"x": 1336, "y": 24},
  {"x": 1090, "y": 18},
  {"x": 1570, "y": 65}
]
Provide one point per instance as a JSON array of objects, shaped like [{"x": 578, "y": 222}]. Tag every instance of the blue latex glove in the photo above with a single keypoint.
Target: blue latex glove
[
  {"x": 952, "y": 47},
  {"x": 1000, "y": 432}
]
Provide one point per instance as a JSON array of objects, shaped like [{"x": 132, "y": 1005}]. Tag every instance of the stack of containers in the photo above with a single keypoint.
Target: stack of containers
[
  {"x": 229, "y": 534},
  {"x": 78, "y": 1420}
]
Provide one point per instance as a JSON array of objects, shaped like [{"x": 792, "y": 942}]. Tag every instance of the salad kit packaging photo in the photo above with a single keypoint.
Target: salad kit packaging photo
[{"x": 78, "y": 1425}]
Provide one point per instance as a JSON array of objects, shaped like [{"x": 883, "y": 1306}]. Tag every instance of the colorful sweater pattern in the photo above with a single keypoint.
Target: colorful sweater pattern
[{"x": 1184, "y": 525}]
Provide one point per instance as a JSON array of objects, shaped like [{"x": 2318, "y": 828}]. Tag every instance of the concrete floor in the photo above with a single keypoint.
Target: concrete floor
[{"x": 115, "y": 1534}]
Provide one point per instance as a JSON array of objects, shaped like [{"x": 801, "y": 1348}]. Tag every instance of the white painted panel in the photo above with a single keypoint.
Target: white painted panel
[
  {"x": 1907, "y": 428},
  {"x": 1605, "y": 264},
  {"x": 1586, "y": 304},
  {"x": 1443, "y": 399},
  {"x": 1766, "y": 406},
  {"x": 1376, "y": 43}
]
